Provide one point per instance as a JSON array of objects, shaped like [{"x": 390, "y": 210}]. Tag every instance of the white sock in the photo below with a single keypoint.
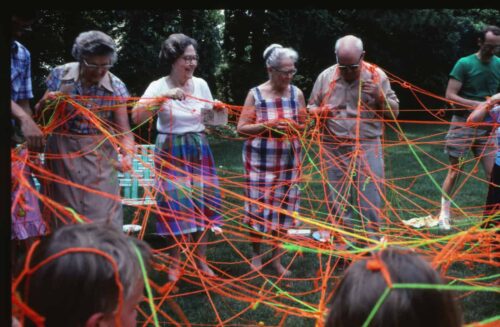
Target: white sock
[{"x": 445, "y": 209}]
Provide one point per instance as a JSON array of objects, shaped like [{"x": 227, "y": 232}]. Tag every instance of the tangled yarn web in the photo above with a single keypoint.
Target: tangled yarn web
[{"x": 415, "y": 166}]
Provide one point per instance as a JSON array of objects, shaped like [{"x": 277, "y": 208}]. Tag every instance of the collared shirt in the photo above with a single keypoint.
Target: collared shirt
[
  {"x": 20, "y": 72},
  {"x": 343, "y": 98},
  {"x": 101, "y": 99}
]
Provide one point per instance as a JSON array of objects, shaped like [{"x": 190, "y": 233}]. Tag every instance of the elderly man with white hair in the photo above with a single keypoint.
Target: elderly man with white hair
[
  {"x": 353, "y": 97},
  {"x": 88, "y": 129}
]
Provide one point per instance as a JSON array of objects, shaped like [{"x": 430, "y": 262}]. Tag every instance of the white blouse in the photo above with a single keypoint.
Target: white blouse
[{"x": 176, "y": 116}]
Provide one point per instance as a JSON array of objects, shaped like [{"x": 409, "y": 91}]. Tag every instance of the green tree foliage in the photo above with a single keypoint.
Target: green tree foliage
[
  {"x": 52, "y": 38},
  {"x": 145, "y": 30},
  {"x": 418, "y": 45},
  {"x": 138, "y": 33}
]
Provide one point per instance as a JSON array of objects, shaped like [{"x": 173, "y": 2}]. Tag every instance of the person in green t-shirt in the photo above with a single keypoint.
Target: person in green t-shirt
[{"x": 472, "y": 80}]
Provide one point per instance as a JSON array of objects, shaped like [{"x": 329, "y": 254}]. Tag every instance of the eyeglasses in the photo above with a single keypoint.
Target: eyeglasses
[
  {"x": 349, "y": 67},
  {"x": 286, "y": 72},
  {"x": 93, "y": 66},
  {"x": 190, "y": 58}
]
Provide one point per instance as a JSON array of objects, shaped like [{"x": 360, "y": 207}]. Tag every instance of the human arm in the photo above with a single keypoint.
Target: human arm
[
  {"x": 302, "y": 111},
  {"x": 151, "y": 100},
  {"x": 34, "y": 136},
  {"x": 452, "y": 91},
  {"x": 483, "y": 109},
  {"x": 46, "y": 99},
  {"x": 316, "y": 98},
  {"x": 321, "y": 94},
  {"x": 126, "y": 138},
  {"x": 142, "y": 111},
  {"x": 246, "y": 123}
]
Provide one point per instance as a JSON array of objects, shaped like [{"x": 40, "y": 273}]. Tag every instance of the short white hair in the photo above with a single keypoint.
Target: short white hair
[
  {"x": 275, "y": 52},
  {"x": 358, "y": 44}
]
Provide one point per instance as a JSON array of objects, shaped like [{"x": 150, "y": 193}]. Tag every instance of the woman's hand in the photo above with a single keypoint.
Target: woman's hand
[
  {"x": 283, "y": 126},
  {"x": 219, "y": 105},
  {"x": 47, "y": 98},
  {"x": 124, "y": 165},
  {"x": 176, "y": 94}
]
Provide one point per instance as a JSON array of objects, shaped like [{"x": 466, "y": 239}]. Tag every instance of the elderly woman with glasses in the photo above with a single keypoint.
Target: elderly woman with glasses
[
  {"x": 187, "y": 196},
  {"x": 272, "y": 118},
  {"x": 89, "y": 125}
]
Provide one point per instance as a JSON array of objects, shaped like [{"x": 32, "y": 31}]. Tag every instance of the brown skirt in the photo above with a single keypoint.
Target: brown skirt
[{"x": 86, "y": 160}]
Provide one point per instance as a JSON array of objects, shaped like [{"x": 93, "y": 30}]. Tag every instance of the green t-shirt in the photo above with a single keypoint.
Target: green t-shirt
[{"x": 479, "y": 80}]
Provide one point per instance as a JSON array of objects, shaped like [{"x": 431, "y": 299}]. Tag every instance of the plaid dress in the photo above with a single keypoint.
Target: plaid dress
[
  {"x": 188, "y": 194},
  {"x": 272, "y": 167}
]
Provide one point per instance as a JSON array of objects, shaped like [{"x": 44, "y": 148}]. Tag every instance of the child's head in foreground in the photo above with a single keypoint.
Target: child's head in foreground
[
  {"x": 81, "y": 288},
  {"x": 364, "y": 283}
]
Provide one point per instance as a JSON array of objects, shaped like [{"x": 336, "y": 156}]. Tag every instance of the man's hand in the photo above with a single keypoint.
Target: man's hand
[
  {"x": 34, "y": 136},
  {"x": 371, "y": 90},
  {"x": 325, "y": 112}
]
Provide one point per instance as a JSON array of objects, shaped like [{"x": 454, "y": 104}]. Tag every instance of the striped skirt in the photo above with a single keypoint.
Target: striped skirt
[
  {"x": 272, "y": 168},
  {"x": 188, "y": 194}
]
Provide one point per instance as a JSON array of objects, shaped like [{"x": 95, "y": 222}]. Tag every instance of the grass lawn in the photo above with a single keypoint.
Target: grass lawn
[{"x": 242, "y": 297}]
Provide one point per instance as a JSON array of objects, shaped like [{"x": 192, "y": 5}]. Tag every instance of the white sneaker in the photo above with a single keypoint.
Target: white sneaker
[
  {"x": 131, "y": 228},
  {"x": 321, "y": 236},
  {"x": 444, "y": 224},
  {"x": 216, "y": 230}
]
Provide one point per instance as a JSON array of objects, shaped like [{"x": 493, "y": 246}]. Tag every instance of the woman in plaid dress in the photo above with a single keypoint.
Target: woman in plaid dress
[
  {"x": 188, "y": 196},
  {"x": 272, "y": 118}
]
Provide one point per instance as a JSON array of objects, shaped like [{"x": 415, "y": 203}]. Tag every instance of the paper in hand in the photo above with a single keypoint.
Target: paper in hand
[{"x": 214, "y": 117}]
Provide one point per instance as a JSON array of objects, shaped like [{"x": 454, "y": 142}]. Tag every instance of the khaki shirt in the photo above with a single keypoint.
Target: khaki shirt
[{"x": 344, "y": 99}]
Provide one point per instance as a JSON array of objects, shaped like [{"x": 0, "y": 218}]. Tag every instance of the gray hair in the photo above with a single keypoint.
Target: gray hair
[
  {"x": 275, "y": 52},
  {"x": 82, "y": 283},
  {"x": 358, "y": 43},
  {"x": 94, "y": 43}
]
